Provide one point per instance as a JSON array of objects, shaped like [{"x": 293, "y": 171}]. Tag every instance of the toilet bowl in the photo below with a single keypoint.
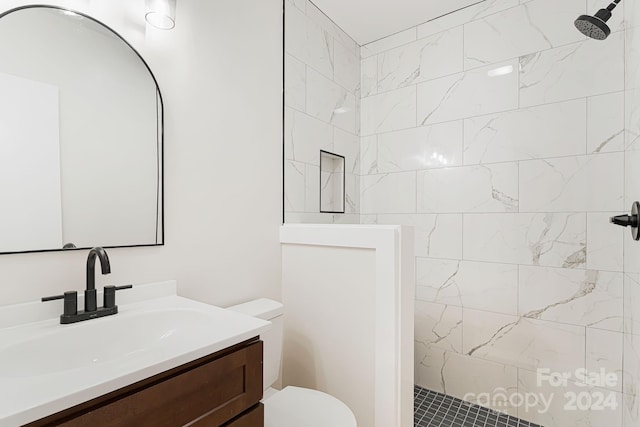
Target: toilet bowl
[{"x": 291, "y": 406}]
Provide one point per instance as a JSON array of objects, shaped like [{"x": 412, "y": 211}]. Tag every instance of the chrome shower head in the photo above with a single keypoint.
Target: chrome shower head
[{"x": 596, "y": 26}]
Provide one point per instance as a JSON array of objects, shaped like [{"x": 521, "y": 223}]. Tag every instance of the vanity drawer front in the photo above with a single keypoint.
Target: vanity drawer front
[
  {"x": 215, "y": 392},
  {"x": 253, "y": 418}
]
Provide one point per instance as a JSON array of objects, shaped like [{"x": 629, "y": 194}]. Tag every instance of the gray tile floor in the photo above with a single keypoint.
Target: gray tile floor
[{"x": 433, "y": 409}]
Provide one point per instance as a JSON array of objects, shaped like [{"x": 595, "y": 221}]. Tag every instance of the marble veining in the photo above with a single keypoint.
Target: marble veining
[
  {"x": 572, "y": 71},
  {"x": 551, "y": 130},
  {"x": 484, "y": 188},
  {"x": 507, "y": 140},
  {"x": 575, "y": 296},
  {"x": 530, "y": 239},
  {"x": 475, "y": 92}
]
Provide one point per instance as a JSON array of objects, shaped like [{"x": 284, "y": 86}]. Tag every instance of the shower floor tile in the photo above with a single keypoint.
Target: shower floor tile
[{"x": 432, "y": 409}]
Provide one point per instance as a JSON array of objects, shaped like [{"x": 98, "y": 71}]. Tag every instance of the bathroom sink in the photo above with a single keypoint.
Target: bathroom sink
[
  {"x": 46, "y": 367},
  {"x": 150, "y": 334}
]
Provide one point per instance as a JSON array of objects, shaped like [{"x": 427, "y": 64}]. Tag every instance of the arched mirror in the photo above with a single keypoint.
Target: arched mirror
[{"x": 81, "y": 135}]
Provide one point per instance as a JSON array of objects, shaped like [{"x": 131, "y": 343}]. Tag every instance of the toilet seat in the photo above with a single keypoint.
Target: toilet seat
[{"x": 303, "y": 407}]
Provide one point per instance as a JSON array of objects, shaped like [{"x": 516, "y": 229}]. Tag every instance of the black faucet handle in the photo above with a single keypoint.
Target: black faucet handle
[
  {"x": 110, "y": 294},
  {"x": 70, "y": 302}
]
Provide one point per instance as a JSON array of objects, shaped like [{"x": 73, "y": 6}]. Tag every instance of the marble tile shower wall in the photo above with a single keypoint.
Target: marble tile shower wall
[
  {"x": 631, "y": 349},
  {"x": 322, "y": 111},
  {"x": 498, "y": 132}
]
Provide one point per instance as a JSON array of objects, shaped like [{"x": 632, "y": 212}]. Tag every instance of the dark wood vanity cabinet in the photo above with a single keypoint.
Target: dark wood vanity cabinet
[{"x": 220, "y": 390}]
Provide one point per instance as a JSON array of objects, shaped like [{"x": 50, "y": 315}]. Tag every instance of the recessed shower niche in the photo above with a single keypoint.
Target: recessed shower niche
[{"x": 331, "y": 182}]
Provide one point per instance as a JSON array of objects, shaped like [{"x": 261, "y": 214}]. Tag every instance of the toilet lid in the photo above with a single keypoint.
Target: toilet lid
[{"x": 303, "y": 407}]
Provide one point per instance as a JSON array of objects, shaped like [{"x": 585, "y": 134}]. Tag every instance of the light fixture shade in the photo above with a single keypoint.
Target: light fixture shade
[{"x": 161, "y": 13}]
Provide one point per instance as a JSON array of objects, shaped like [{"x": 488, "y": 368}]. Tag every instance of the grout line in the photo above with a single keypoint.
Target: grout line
[{"x": 511, "y": 110}]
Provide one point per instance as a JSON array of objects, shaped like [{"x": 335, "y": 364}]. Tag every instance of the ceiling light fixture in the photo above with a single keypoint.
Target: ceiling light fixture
[{"x": 161, "y": 13}]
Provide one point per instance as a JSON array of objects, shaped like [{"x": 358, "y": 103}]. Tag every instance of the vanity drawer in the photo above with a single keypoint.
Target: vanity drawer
[
  {"x": 210, "y": 393},
  {"x": 253, "y": 418}
]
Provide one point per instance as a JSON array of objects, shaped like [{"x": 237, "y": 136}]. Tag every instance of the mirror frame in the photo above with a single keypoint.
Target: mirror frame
[{"x": 160, "y": 230}]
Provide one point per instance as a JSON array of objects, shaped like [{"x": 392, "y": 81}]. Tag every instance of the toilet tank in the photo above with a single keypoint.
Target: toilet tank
[{"x": 270, "y": 310}]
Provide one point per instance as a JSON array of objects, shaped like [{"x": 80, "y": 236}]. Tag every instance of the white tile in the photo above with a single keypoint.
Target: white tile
[
  {"x": 369, "y": 155},
  {"x": 389, "y": 111},
  {"x": 463, "y": 16},
  {"x": 318, "y": 17},
  {"x": 438, "y": 325},
  {"x": 464, "y": 377},
  {"x": 574, "y": 296},
  {"x": 389, "y": 42},
  {"x": 425, "y": 59},
  {"x": 605, "y": 123},
  {"x": 632, "y": 114},
  {"x": 482, "y": 382},
  {"x": 605, "y": 243},
  {"x": 631, "y": 410},
  {"x": 305, "y": 136},
  {"x": 632, "y": 175},
  {"x": 480, "y": 91},
  {"x": 632, "y": 303},
  {"x": 429, "y": 363},
  {"x": 425, "y": 147},
  {"x": 330, "y": 102},
  {"x": 604, "y": 355},
  {"x": 295, "y": 83},
  {"x": 307, "y": 218},
  {"x": 388, "y": 193},
  {"x": 346, "y": 219},
  {"x": 369, "y": 76},
  {"x": 631, "y": 365},
  {"x": 547, "y": 239},
  {"x": 347, "y": 68},
  {"x": 571, "y": 405},
  {"x": 352, "y": 194},
  {"x": 300, "y": 4},
  {"x": 521, "y": 30},
  {"x": 312, "y": 188},
  {"x": 435, "y": 236},
  {"x": 572, "y": 71},
  {"x": 482, "y": 188},
  {"x": 552, "y": 130},
  {"x": 524, "y": 343},
  {"x": 436, "y": 282},
  {"x": 348, "y": 145},
  {"x": 573, "y": 184},
  {"x": 632, "y": 75},
  {"x": 477, "y": 285},
  {"x": 632, "y": 56},
  {"x": 308, "y": 42},
  {"x": 631, "y": 251},
  {"x": 632, "y": 15},
  {"x": 294, "y": 188}
]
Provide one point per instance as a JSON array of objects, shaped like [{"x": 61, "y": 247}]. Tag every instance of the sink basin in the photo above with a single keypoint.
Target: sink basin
[
  {"x": 46, "y": 367},
  {"x": 152, "y": 334}
]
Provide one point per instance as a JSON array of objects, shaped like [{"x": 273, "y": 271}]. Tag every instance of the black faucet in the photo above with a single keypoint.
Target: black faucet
[
  {"x": 91, "y": 311},
  {"x": 90, "y": 303}
]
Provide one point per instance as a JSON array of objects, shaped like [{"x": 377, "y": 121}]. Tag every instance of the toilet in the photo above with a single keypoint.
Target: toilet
[{"x": 291, "y": 406}]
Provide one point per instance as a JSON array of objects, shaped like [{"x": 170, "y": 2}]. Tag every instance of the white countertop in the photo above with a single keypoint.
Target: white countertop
[{"x": 46, "y": 367}]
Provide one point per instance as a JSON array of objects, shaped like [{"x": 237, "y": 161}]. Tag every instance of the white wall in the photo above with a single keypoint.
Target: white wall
[{"x": 220, "y": 71}]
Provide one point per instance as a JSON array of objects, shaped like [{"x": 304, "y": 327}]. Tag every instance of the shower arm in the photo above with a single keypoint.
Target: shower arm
[{"x": 613, "y": 5}]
